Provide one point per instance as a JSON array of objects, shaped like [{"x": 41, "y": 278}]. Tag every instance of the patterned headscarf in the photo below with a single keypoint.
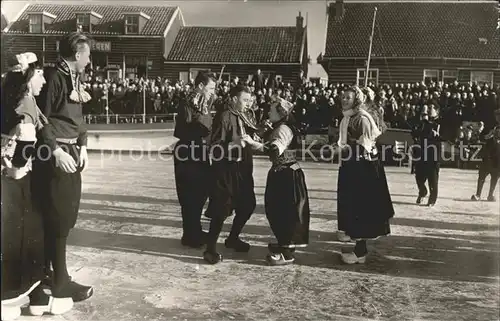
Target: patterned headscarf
[
  {"x": 359, "y": 96},
  {"x": 284, "y": 107},
  {"x": 245, "y": 117},
  {"x": 199, "y": 103},
  {"x": 367, "y": 140},
  {"x": 238, "y": 120}
]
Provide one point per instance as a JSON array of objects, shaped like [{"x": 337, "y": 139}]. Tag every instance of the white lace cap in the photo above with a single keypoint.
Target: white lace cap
[{"x": 23, "y": 61}]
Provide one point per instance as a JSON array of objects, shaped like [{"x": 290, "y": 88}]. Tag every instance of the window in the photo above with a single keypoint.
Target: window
[
  {"x": 99, "y": 60},
  {"x": 463, "y": 75},
  {"x": 83, "y": 20},
  {"x": 131, "y": 73},
  {"x": 136, "y": 65},
  {"x": 184, "y": 76},
  {"x": 431, "y": 75},
  {"x": 449, "y": 76},
  {"x": 315, "y": 80},
  {"x": 131, "y": 24},
  {"x": 226, "y": 76},
  {"x": 266, "y": 74},
  {"x": 193, "y": 72},
  {"x": 36, "y": 25},
  {"x": 135, "y": 61},
  {"x": 114, "y": 74},
  {"x": 482, "y": 77},
  {"x": 372, "y": 76}
]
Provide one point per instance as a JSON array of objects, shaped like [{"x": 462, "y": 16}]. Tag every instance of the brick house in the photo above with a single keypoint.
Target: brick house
[
  {"x": 279, "y": 51},
  {"x": 413, "y": 42},
  {"x": 129, "y": 41}
]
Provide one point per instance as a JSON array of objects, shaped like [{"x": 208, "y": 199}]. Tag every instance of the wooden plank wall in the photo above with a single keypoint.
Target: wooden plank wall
[
  {"x": 290, "y": 73},
  {"x": 405, "y": 70},
  {"x": 138, "y": 47}
]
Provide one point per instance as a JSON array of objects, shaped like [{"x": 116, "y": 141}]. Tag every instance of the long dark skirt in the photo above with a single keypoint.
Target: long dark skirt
[
  {"x": 22, "y": 238},
  {"x": 287, "y": 205},
  {"x": 364, "y": 203},
  {"x": 57, "y": 193}
]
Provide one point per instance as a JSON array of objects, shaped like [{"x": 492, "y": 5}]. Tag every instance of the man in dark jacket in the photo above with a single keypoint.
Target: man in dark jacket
[
  {"x": 232, "y": 170},
  {"x": 490, "y": 164},
  {"x": 191, "y": 159},
  {"x": 61, "y": 158},
  {"x": 427, "y": 156}
]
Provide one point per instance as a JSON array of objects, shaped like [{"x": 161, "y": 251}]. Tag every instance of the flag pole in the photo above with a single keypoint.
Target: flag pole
[
  {"x": 370, "y": 48},
  {"x": 144, "y": 103}
]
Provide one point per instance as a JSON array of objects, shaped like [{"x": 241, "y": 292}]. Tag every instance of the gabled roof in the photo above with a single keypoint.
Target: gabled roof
[
  {"x": 465, "y": 30},
  {"x": 238, "y": 45},
  {"x": 4, "y": 21},
  {"x": 112, "y": 22}
]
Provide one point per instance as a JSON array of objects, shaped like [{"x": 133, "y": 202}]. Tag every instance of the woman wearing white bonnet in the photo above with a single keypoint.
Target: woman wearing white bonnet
[
  {"x": 364, "y": 205},
  {"x": 22, "y": 226}
]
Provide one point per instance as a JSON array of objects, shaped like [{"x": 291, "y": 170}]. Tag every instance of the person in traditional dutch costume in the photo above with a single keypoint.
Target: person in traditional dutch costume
[
  {"x": 191, "y": 159},
  {"x": 364, "y": 203},
  {"x": 61, "y": 157},
  {"x": 286, "y": 198},
  {"x": 232, "y": 170},
  {"x": 427, "y": 153},
  {"x": 22, "y": 226},
  {"x": 490, "y": 161}
]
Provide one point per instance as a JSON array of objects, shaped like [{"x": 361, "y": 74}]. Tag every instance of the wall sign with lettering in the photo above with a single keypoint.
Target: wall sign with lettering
[{"x": 103, "y": 46}]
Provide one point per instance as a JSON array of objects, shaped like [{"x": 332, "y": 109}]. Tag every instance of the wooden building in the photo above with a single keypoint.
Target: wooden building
[
  {"x": 128, "y": 41},
  {"x": 276, "y": 51},
  {"x": 413, "y": 42}
]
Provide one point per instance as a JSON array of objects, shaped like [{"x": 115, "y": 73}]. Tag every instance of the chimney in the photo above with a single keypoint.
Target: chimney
[
  {"x": 300, "y": 21},
  {"x": 339, "y": 9}
]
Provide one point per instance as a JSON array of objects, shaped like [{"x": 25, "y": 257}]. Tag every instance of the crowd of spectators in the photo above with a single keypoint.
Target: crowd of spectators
[{"x": 317, "y": 107}]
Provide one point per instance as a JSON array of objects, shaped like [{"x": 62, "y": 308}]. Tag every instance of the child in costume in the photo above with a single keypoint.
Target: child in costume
[{"x": 286, "y": 197}]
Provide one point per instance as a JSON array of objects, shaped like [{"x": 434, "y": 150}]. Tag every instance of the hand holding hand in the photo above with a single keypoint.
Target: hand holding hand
[
  {"x": 268, "y": 124},
  {"x": 249, "y": 140}
]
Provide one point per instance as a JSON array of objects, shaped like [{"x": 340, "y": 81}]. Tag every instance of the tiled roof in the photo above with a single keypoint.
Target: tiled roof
[
  {"x": 112, "y": 22},
  {"x": 4, "y": 21},
  {"x": 415, "y": 29},
  {"x": 238, "y": 45}
]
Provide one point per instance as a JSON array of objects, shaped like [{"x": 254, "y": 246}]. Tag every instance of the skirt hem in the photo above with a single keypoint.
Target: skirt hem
[{"x": 22, "y": 295}]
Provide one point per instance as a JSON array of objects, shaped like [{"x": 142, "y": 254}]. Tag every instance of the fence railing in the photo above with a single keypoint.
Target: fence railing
[{"x": 131, "y": 118}]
